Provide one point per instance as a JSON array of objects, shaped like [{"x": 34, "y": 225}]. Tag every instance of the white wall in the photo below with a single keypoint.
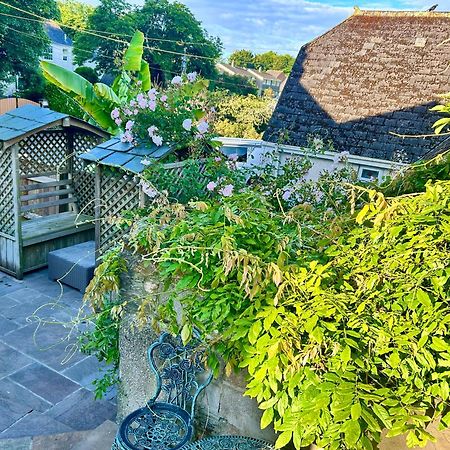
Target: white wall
[
  {"x": 256, "y": 149},
  {"x": 58, "y": 53}
]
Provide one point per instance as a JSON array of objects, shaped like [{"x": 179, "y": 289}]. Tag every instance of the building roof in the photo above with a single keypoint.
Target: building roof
[
  {"x": 28, "y": 119},
  {"x": 125, "y": 155},
  {"x": 374, "y": 74},
  {"x": 56, "y": 34},
  {"x": 247, "y": 73}
]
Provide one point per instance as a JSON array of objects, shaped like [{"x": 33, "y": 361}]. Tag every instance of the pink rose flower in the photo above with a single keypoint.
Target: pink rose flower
[
  {"x": 157, "y": 140},
  {"x": 164, "y": 98},
  {"x": 118, "y": 121},
  {"x": 127, "y": 137},
  {"x": 211, "y": 186},
  {"x": 115, "y": 113},
  {"x": 203, "y": 127},
  {"x": 233, "y": 157},
  {"x": 191, "y": 76},
  {"x": 151, "y": 130},
  {"x": 187, "y": 124},
  {"x": 151, "y": 105},
  {"x": 129, "y": 125},
  {"x": 177, "y": 80},
  {"x": 227, "y": 191}
]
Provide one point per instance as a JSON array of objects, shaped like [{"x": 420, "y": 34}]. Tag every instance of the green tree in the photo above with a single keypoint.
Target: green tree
[
  {"x": 23, "y": 42},
  {"x": 242, "y": 58},
  {"x": 88, "y": 73},
  {"x": 111, "y": 19},
  {"x": 162, "y": 22},
  {"x": 242, "y": 116},
  {"x": 74, "y": 15},
  {"x": 274, "y": 61}
]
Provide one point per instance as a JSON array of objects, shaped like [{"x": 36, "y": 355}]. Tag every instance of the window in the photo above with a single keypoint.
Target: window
[
  {"x": 65, "y": 54},
  {"x": 368, "y": 174},
  {"x": 48, "y": 53}
]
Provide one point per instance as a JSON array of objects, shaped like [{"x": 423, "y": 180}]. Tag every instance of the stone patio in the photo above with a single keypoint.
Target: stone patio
[{"x": 45, "y": 382}]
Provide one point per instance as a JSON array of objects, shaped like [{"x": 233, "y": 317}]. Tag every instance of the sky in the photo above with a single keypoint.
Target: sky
[{"x": 282, "y": 25}]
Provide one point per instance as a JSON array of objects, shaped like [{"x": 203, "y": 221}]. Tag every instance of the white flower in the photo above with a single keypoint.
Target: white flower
[
  {"x": 157, "y": 140},
  {"x": 286, "y": 194},
  {"x": 177, "y": 80},
  {"x": 115, "y": 113},
  {"x": 203, "y": 127},
  {"x": 191, "y": 76},
  {"x": 187, "y": 124},
  {"x": 164, "y": 98},
  {"x": 148, "y": 190},
  {"x": 151, "y": 105},
  {"x": 227, "y": 191},
  {"x": 233, "y": 157},
  {"x": 129, "y": 125},
  {"x": 145, "y": 162},
  {"x": 151, "y": 130}
]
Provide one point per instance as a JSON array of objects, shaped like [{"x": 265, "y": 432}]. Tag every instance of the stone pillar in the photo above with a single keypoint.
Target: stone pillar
[{"x": 222, "y": 407}]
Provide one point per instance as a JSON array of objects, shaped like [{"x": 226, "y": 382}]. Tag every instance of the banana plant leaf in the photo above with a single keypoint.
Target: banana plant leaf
[{"x": 133, "y": 55}]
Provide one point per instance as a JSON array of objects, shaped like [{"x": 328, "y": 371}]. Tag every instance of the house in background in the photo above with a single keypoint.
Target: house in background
[
  {"x": 60, "y": 50},
  {"x": 272, "y": 79},
  {"x": 369, "y": 78}
]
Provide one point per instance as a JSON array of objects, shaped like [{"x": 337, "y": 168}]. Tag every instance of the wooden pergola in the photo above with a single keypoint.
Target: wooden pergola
[{"x": 46, "y": 193}]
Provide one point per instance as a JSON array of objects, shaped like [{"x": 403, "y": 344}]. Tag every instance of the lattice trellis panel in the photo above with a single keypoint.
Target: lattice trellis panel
[
  {"x": 43, "y": 152},
  {"x": 83, "y": 175},
  {"x": 6, "y": 189},
  {"x": 117, "y": 194}
]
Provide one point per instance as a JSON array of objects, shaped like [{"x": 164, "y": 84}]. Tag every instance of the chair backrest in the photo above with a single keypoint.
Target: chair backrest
[
  {"x": 52, "y": 194},
  {"x": 180, "y": 370}
]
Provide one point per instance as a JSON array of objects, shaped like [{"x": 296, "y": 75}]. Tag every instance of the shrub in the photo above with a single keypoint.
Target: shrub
[{"x": 88, "y": 73}]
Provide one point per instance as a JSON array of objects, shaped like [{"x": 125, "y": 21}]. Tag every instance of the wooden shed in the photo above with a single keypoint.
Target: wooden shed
[{"x": 46, "y": 193}]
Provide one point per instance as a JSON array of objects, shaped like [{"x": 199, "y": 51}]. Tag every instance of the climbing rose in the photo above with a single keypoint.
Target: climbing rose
[
  {"x": 127, "y": 137},
  {"x": 177, "y": 80},
  {"x": 211, "y": 186},
  {"x": 233, "y": 157},
  {"x": 187, "y": 124},
  {"x": 118, "y": 121},
  {"x": 115, "y": 113},
  {"x": 227, "y": 191},
  {"x": 203, "y": 127},
  {"x": 163, "y": 98},
  {"x": 151, "y": 130},
  {"x": 286, "y": 194},
  {"x": 151, "y": 105},
  {"x": 191, "y": 76},
  {"x": 129, "y": 125},
  {"x": 157, "y": 140}
]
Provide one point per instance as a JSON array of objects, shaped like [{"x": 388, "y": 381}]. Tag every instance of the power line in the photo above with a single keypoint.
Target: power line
[
  {"x": 112, "y": 58},
  {"x": 96, "y": 34}
]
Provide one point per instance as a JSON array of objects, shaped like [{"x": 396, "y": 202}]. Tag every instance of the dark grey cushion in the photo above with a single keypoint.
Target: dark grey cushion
[{"x": 74, "y": 265}]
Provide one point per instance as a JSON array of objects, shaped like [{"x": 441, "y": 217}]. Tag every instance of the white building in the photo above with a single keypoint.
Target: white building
[{"x": 60, "y": 50}]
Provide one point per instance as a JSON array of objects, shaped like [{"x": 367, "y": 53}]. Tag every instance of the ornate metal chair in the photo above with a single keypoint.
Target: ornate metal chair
[{"x": 166, "y": 422}]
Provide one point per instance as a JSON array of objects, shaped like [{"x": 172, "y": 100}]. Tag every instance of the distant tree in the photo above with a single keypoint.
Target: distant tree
[
  {"x": 242, "y": 58},
  {"x": 23, "y": 42},
  {"x": 113, "y": 18},
  {"x": 172, "y": 21},
  {"x": 89, "y": 73},
  {"x": 74, "y": 14},
  {"x": 274, "y": 61},
  {"x": 242, "y": 116},
  {"x": 234, "y": 84}
]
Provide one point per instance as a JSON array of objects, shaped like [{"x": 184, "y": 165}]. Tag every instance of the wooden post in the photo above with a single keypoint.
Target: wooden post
[
  {"x": 98, "y": 210},
  {"x": 16, "y": 180}
]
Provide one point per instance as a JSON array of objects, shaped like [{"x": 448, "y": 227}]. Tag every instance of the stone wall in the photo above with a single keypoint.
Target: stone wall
[{"x": 222, "y": 407}]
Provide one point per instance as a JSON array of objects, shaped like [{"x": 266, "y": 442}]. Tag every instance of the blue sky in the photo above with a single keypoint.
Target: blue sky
[{"x": 282, "y": 25}]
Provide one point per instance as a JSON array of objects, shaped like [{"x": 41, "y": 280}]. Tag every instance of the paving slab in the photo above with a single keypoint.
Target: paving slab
[
  {"x": 11, "y": 360},
  {"x": 45, "y": 383},
  {"x": 35, "y": 424},
  {"x": 16, "y": 444},
  {"x": 81, "y": 411}
]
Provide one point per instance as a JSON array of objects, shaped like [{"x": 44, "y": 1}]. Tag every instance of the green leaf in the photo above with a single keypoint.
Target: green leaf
[
  {"x": 346, "y": 354},
  {"x": 356, "y": 411},
  {"x": 133, "y": 55},
  {"x": 267, "y": 418},
  {"x": 254, "y": 332},
  {"x": 352, "y": 432},
  {"x": 283, "y": 439},
  {"x": 186, "y": 333}
]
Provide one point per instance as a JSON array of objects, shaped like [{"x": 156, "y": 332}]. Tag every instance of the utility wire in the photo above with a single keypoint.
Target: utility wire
[
  {"x": 112, "y": 58},
  {"x": 96, "y": 34}
]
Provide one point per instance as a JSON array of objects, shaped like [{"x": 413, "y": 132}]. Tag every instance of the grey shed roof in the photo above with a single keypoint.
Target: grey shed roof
[
  {"x": 125, "y": 155},
  {"x": 27, "y": 118}
]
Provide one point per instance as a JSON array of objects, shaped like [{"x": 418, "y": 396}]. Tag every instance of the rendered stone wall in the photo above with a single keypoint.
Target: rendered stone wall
[{"x": 222, "y": 408}]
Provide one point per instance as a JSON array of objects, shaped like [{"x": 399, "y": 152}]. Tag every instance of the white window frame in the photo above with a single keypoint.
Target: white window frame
[{"x": 374, "y": 169}]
